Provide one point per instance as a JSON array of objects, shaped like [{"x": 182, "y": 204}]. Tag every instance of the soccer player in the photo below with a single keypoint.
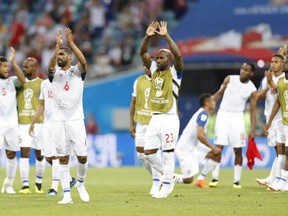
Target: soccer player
[
  {"x": 27, "y": 103},
  {"x": 281, "y": 102},
  {"x": 68, "y": 120},
  {"x": 141, "y": 115},
  {"x": 193, "y": 146},
  {"x": 9, "y": 133},
  {"x": 163, "y": 128},
  {"x": 235, "y": 91},
  {"x": 276, "y": 137}
]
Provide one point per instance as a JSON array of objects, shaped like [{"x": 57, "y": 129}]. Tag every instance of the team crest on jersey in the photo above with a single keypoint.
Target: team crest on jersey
[
  {"x": 71, "y": 73},
  {"x": 158, "y": 85}
]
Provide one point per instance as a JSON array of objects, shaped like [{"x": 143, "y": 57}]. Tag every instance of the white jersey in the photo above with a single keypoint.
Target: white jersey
[
  {"x": 236, "y": 94},
  {"x": 46, "y": 95},
  {"x": 271, "y": 97},
  {"x": 176, "y": 85},
  {"x": 8, "y": 102},
  {"x": 189, "y": 134},
  {"x": 67, "y": 89}
]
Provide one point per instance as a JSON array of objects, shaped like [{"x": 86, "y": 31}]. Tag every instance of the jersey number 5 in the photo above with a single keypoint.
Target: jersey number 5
[{"x": 3, "y": 91}]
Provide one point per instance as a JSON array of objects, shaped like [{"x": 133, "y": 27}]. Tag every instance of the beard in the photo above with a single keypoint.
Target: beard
[{"x": 62, "y": 63}]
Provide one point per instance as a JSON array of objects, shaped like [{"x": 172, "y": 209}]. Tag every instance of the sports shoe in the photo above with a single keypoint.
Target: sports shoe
[
  {"x": 155, "y": 187},
  {"x": 201, "y": 184},
  {"x": 213, "y": 183},
  {"x": 65, "y": 201},
  {"x": 265, "y": 182},
  {"x": 52, "y": 192},
  {"x": 163, "y": 193},
  {"x": 38, "y": 191},
  {"x": 83, "y": 193},
  {"x": 237, "y": 185},
  {"x": 275, "y": 185},
  {"x": 25, "y": 190},
  {"x": 7, "y": 188},
  {"x": 73, "y": 182}
]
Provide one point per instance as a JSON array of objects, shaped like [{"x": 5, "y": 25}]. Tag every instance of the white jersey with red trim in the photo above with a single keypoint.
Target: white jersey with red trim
[{"x": 67, "y": 89}]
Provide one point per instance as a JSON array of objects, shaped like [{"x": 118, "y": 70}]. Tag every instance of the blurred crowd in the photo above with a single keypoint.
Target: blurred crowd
[{"x": 108, "y": 32}]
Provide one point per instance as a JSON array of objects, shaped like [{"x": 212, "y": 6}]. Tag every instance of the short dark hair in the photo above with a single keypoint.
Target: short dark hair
[
  {"x": 279, "y": 56},
  {"x": 203, "y": 98},
  {"x": 67, "y": 50},
  {"x": 252, "y": 65},
  {"x": 3, "y": 59}
]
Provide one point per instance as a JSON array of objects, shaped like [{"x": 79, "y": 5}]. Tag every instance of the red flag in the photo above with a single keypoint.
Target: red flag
[{"x": 252, "y": 153}]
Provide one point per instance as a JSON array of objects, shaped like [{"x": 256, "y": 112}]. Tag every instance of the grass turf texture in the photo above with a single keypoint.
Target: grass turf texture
[{"x": 125, "y": 191}]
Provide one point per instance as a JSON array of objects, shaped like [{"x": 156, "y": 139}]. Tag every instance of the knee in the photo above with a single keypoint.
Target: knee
[
  {"x": 82, "y": 159},
  {"x": 10, "y": 154}
]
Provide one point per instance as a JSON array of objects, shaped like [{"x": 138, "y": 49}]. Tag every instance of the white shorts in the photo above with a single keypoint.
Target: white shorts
[
  {"x": 201, "y": 152},
  {"x": 68, "y": 136},
  {"x": 26, "y": 140},
  {"x": 140, "y": 134},
  {"x": 285, "y": 129},
  {"x": 188, "y": 164},
  {"x": 162, "y": 132},
  {"x": 46, "y": 139},
  {"x": 230, "y": 129},
  {"x": 276, "y": 133},
  {"x": 9, "y": 138}
]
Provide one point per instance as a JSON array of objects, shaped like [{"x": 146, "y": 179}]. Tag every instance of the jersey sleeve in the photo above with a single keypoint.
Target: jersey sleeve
[
  {"x": 41, "y": 94},
  {"x": 202, "y": 119}
]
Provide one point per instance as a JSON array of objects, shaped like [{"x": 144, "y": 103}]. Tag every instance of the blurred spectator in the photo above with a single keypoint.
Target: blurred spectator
[
  {"x": 91, "y": 125},
  {"x": 101, "y": 66}
]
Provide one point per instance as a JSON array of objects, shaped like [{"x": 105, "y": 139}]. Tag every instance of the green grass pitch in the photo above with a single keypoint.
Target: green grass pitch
[{"x": 124, "y": 191}]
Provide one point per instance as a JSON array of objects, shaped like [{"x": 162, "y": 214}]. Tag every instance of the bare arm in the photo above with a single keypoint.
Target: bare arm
[
  {"x": 203, "y": 139},
  {"x": 253, "y": 103},
  {"x": 21, "y": 78},
  {"x": 82, "y": 63},
  {"x": 37, "y": 115},
  {"x": 143, "y": 51},
  {"x": 217, "y": 95},
  {"x": 132, "y": 111},
  {"x": 178, "y": 62},
  {"x": 52, "y": 62}
]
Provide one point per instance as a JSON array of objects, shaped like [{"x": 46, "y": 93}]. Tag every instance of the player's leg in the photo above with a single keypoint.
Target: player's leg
[
  {"x": 40, "y": 164},
  {"x": 237, "y": 167}
]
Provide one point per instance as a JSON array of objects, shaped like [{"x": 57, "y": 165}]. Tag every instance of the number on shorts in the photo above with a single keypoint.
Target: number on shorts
[{"x": 169, "y": 138}]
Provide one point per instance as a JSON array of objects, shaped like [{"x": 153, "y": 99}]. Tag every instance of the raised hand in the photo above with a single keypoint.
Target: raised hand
[
  {"x": 283, "y": 50},
  {"x": 59, "y": 39},
  {"x": 162, "y": 28},
  {"x": 152, "y": 29},
  {"x": 12, "y": 54},
  {"x": 69, "y": 35}
]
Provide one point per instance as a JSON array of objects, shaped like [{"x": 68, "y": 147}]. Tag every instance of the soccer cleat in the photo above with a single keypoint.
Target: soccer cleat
[
  {"x": 201, "y": 184},
  {"x": 65, "y": 201},
  {"x": 155, "y": 188},
  {"x": 38, "y": 191},
  {"x": 163, "y": 193},
  {"x": 83, "y": 193},
  {"x": 73, "y": 182},
  {"x": 25, "y": 190},
  {"x": 7, "y": 188},
  {"x": 275, "y": 185},
  {"x": 52, "y": 192},
  {"x": 265, "y": 182},
  {"x": 213, "y": 183},
  {"x": 237, "y": 185}
]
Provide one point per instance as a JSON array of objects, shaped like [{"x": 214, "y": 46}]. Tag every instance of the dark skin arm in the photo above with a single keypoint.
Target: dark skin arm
[
  {"x": 202, "y": 138},
  {"x": 132, "y": 111},
  {"x": 253, "y": 104},
  {"x": 217, "y": 95},
  {"x": 21, "y": 78}
]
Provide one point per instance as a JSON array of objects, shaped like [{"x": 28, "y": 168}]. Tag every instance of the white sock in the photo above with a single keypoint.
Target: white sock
[
  {"x": 215, "y": 171},
  {"x": 179, "y": 178},
  {"x": 81, "y": 172},
  {"x": 155, "y": 162},
  {"x": 237, "y": 173},
  {"x": 284, "y": 175},
  {"x": 64, "y": 174},
  {"x": 55, "y": 174},
  {"x": 24, "y": 171},
  {"x": 40, "y": 168},
  {"x": 169, "y": 168},
  {"x": 144, "y": 162},
  {"x": 208, "y": 166},
  {"x": 280, "y": 165},
  {"x": 11, "y": 168},
  {"x": 273, "y": 169}
]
